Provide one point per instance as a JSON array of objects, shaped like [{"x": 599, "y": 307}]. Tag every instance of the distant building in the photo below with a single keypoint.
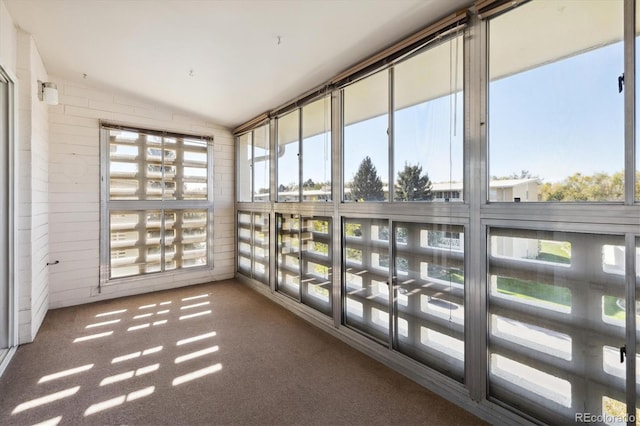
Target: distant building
[{"x": 499, "y": 190}]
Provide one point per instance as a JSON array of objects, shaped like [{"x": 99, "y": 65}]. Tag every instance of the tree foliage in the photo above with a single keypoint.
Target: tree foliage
[
  {"x": 367, "y": 185},
  {"x": 524, "y": 174},
  {"x": 412, "y": 185},
  {"x": 578, "y": 187}
]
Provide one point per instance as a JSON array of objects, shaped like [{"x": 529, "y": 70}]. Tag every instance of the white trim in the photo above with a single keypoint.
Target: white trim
[{"x": 13, "y": 178}]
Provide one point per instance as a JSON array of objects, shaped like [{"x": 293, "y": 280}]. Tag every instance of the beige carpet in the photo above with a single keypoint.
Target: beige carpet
[{"x": 209, "y": 354}]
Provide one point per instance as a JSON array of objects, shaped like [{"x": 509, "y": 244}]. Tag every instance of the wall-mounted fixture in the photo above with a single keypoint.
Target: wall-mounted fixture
[{"x": 48, "y": 92}]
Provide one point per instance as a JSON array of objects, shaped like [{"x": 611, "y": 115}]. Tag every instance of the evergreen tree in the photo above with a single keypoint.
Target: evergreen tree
[
  {"x": 367, "y": 186},
  {"x": 412, "y": 185}
]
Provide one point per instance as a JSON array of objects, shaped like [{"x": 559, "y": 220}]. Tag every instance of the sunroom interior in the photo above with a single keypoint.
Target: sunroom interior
[{"x": 460, "y": 203}]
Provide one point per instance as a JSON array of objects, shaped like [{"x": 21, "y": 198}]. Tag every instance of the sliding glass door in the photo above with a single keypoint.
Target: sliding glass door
[
  {"x": 404, "y": 286},
  {"x": 304, "y": 259}
]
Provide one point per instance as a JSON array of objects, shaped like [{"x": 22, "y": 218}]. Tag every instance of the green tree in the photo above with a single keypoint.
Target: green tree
[
  {"x": 367, "y": 185},
  {"x": 579, "y": 187},
  {"x": 412, "y": 185}
]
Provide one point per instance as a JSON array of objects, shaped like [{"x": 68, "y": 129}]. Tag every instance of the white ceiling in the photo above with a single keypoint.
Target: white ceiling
[{"x": 148, "y": 47}]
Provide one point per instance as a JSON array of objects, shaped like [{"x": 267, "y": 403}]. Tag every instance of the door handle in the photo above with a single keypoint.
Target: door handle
[{"x": 623, "y": 353}]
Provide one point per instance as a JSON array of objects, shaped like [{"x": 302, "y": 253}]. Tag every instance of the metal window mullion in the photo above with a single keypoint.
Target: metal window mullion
[
  {"x": 178, "y": 179},
  {"x": 630, "y": 317},
  {"x": 210, "y": 202},
  {"x": 157, "y": 204},
  {"x": 630, "y": 185},
  {"x": 252, "y": 248},
  {"x": 390, "y": 139},
  {"x": 300, "y": 219},
  {"x": 393, "y": 312},
  {"x": 141, "y": 161},
  {"x": 252, "y": 170},
  {"x": 300, "y": 171},
  {"x": 336, "y": 199},
  {"x": 630, "y": 99},
  {"x": 273, "y": 197},
  {"x": 475, "y": 194},
  {"x": 105, "y": 228},
  {"x": 162, "y": 238},
  {"x": 162, "y": 211},
  {"x": 140, "y": 228}
]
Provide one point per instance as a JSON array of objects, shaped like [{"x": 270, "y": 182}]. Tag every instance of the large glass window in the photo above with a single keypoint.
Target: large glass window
[
  {"x": 244, "y": 167},
  {"x": 429, "y": 294},
  {"x": 157, "y": 201},
  {"x": 366, "y": 139},
  {"x": 261, "y": 167},
  {"x": 316, "y": 150},
  {"x": 556, "y": 321},
  {"x": 288, "y": 154},
  {"x": 316, "y": 263},
  {"x": 304, "y": 260},
  {"x": 427, "y": 125},
  {"x": 556, "y": 117},
  {"x": 252, "y": 172},
  {"x": 253, "y": 245},
  {"x": 288, "y": 253},
  {"x": 366, "y": 276}
]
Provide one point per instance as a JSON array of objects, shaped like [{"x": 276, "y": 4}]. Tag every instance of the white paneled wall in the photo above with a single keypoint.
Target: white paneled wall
[
  {"x": 33, "y": 190},
  {"x": 74, "y": 191}
]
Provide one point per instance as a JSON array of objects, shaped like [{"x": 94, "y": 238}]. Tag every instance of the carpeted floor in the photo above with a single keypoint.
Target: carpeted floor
[{"x": 215, "y": 354}]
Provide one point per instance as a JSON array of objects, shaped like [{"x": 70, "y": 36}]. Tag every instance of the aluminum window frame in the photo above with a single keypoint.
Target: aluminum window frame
[
  {"x": 477, "y": 215},
  {"x": 107, "y": 206}
]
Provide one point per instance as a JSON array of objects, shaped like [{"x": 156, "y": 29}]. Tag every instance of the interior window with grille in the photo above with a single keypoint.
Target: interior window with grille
[{"x": 157, "y": 201}]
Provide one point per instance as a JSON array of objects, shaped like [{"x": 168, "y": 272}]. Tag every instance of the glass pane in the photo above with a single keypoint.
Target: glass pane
[
  {"x": 191, "y": 184},
  {"x": 288, "y": 155},
  {"x": 188, "y": 248},
  {"x": 429, "y": 295},
  {"x": 243, "y": 173},
  {"x": 244, "y": 243},
  {"x": 427, "y": 125},
  {"x": 556, "y": 321},
  {"x": 366, "y": 141},
  {"x": 366, "y": 276},
  {"x": 316, "y": 150},
  {"x": 261, "y": 247},
  {"x": 261, "y": 163},
  {"x": 125, "y": 179},
  {"x": 134, "y": 242},
  {"x": 316, "y": 263},
  {"x": 553, "y": 94},
  {"x": 288, "y": 255},
  {"x": 149, "y": 167}
]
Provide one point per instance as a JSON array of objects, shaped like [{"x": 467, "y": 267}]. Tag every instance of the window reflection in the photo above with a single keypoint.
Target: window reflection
[
  {"x": 557, "y": 100},
  {"x": 428, "y": 119},
  {"x": 366, "y": 140}
]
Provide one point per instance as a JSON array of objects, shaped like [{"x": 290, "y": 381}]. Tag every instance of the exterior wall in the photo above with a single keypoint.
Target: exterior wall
[
  {"x": 527, "y": 191},
  {"x": 74, "y": 192},
  {"x": 33, "y": 209}
]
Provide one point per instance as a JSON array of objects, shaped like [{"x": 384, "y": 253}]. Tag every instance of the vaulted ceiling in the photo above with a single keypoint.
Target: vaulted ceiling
[{"x": 226, "y": 60}]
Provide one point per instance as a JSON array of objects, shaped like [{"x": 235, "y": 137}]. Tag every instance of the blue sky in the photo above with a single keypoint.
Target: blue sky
[
  {"x": 554, "y": 120},
  {"x": 560, "y": 118}
]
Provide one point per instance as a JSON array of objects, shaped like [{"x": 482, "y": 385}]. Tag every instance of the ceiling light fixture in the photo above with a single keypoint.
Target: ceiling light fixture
[{"x": 48, "y": 92}]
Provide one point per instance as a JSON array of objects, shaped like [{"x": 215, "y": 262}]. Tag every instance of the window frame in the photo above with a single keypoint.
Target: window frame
[{"x": 107, "y": 205}]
